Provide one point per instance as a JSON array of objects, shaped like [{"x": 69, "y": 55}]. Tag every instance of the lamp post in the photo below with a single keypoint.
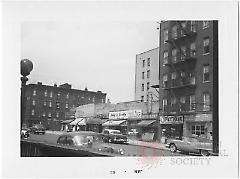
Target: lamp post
[{"x": 26, "y": 68}]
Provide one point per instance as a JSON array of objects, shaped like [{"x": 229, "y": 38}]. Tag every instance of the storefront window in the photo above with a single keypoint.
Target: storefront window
[{"x": 198, "y": 130}]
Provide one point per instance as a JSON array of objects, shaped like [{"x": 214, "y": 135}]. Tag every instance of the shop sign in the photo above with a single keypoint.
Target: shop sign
[
  {"x": 150, "y": 116},
  {"x": 125, "y": 114},
  {"x": 171, "y": 119}
]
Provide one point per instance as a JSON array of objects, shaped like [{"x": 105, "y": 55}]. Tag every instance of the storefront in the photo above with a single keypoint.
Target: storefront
[
  {"x": 116, "y": 124},
  {"x": 65, "y": 125},
  {"x": 94, "y": 124},
  {"x": 147, "y": 129},
  {"x": 172, "y": 126},
  {"x": 198, "y": 125},
  {"x": 74, "y": 124}
]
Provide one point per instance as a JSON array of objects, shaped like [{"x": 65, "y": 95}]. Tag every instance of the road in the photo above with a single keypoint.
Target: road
[{"x": 130, "y": 150}]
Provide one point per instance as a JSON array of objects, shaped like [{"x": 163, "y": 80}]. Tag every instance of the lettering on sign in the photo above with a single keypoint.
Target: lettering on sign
[
  {"x": 125, "y": 114},
  {"x": 150, "y": 116},
  {"x": 171, "y": 119}
]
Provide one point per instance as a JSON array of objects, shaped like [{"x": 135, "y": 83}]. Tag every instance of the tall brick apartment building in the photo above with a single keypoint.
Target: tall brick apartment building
[
  {"x": 188, "y": 58},
  {"x": 50, "y": 104}
]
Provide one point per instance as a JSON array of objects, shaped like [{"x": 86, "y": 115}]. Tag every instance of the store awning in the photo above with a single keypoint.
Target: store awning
[
  {"x": 66, "y": 121},
  {"x": 82, "y": 122},
  {"x": 76, "y": 121},
  {"x": 94, "y": 121},
  {"x": 145, "y": 123},
  {"x": 114, "y": 123}
]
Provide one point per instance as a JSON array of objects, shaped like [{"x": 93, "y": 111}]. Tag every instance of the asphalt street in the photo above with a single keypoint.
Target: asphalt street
[{"x": 130, "y": 150}]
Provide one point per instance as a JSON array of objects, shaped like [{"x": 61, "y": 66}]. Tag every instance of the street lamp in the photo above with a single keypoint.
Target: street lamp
[{"x": 26, "y": 68}]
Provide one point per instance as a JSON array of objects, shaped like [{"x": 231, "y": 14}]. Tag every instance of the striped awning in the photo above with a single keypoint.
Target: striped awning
[
  {"x": 76, "y": 121},
  {"x": 114, "y": 123},
  {"x": 145, "y": 123},
  {"x": 94, "y": 121}
]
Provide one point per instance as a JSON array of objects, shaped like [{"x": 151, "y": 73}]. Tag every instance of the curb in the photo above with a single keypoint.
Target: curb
[{"x": 148, "y": 145}]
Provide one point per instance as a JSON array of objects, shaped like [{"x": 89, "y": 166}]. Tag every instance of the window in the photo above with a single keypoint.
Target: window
[
  {"x": 198, "y": 130},
  {"x": 49, "y": 114},
  {"x": 44, "y": 114},
  {"x": 206, "y": 46},
  {"x": 59, "y": 94},
  {"x": 192, "y": 78},
  {"x": 51, "y": 94},
  {"x": 142, "y": 87},
  {"x": 165, "y": 79},
  {"x": 148, "y": 74},
  {"x": 206, "y": 101},
  {"x": 45, "y": 93},
  {"x": 193, "y": 49},
  {"x": 103, "y": 100},
  {"x": 205, "y": 24},
  {"x": 67, "y": 96},
  {"x": 183, "y": 99},
  {"x": 165, "y": 57},
  {"x": 143, "y": 63},
  {"x": 183, "y": 52},
  {"x": 33, "y": 112},
  {"x": 164, "y": 104},
  {"x": 182, "y": 74},
  {"x": 57, "y": 115},
  {"x": 193, "y": 26},
  {"x": 93, "y": 99},
  {"x": 34, "y": 92},
  {"x": 173, "y": 102},
  {"x": 142, "y": 75},
  {"x": 44, "y": 103},
  {"x": 58, "y": 105},
  {"x": 142, "y": 98},
  {"x": 148, "y": 85},
  {"x": 174, "y": 55},
  {"x": 66, "y": 106},
  {"x": 147, "y": 97},
  {"x": 148, "y": 61},
  {"x": 33, "y": 102},
  {"x": 50, "y": 104},
  {"x": 192, "y": 103},
  {"x": 174, "y": 75},
  {"x": 174, "y": 32},
  {"x": 206, "y": 73},
  {"x": 183, "y": 24},
  {"x": 165, "y": 36}
]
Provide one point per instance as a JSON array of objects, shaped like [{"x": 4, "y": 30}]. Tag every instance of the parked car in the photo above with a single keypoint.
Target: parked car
[
  {"x": 114, "y": 136},
  {"x": 196, "y": 145},
  {"x": 87, "y": 140},
  {"x": 25, "y": 133},
  {"x": 38, "y": 129}
]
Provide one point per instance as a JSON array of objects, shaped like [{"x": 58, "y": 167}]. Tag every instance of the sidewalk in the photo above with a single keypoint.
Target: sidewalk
[{"x": 156, "y": 145}]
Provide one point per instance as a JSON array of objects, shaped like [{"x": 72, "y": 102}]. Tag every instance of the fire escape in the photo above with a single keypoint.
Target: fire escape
[{"x": 181, "y": 63}]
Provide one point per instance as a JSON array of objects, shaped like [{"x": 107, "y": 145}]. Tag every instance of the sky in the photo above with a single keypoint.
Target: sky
[{"x": 97, "y": 55}]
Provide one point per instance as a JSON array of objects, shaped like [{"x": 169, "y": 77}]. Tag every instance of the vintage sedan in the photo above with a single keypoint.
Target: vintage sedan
[
  {"x": 196, "y": 145},
  {"x": 114, "y": 136},
  {"x": 38, "y": 129},
  {"x": 87, "y": 140}
]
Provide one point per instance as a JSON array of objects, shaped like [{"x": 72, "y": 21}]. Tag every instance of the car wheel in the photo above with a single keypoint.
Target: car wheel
[
  {"x": 204, "y": 153},
  {"x": 173, "y": 148}
]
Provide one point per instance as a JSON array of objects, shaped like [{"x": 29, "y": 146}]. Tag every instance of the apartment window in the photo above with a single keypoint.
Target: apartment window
[
  {"x": 183, "y": 99},
  {"x": 165, "y": 36},
  {"x": 58, "y": 105},
  {"x": 51, "y": 94},
  {"x": 205, "y": 24},
  {"x": 148, "y": 74},
  {"x": 173, "y": 102},
  {"x": 193, "y": 49},
  {"x": 142, "y": 87},
  {"x": 198, "y": 130},
  {"x": 45, "y": 93},
  {"x": 33, "y": 112},
  {"x": 59, "y": 94},
  {"x": 184, "y": 25},
  {"x": 206, "y": 101},
  {"x": 193, "y": 26},
  {"x": 148, "y": 85},
  {"x": 49, "y": 114},
  {"x": 182, "y": 74},
  {"x": 148, "y": 61},
  {"x": 183, "y": 52},
  {"x": 142, "y": 98},
  {"x": 34, "y": 92},
  {"x": 44, "y": 114},
  {"x": 192, "y": 78},
  {"x": 174, "y": 32},
  {"x": 206, "y": 45},
  {"x": 165, "y": 57},
  {"x": 206, "y": 73},
  {"x": 174, "y": 75},
  {"x": 174, "y": 55},
  {"x": 44, "y": 103},
  {"x": 66, "y": 106},
  {"x": 33, "y": 102},
  {"x": 50, "y": 104},
  {"x": 142, "y": 75},
  {"x": 164, "y": 105},
  {"x": 165, "y": 79},
  {"x": 67, "y": 96},
  {"x": 143, "y": 63},
  {"x": 192, "y": 103},
  {"x": 57, "y": 115}
]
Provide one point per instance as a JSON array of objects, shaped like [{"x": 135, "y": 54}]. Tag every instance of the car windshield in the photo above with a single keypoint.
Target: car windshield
[
  {"x": 85, "y": 139},
  {"x": 115, "y": 132}
]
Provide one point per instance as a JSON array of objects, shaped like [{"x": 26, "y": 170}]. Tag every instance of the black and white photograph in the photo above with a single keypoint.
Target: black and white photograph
[{"x": 120, "y": 89}]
